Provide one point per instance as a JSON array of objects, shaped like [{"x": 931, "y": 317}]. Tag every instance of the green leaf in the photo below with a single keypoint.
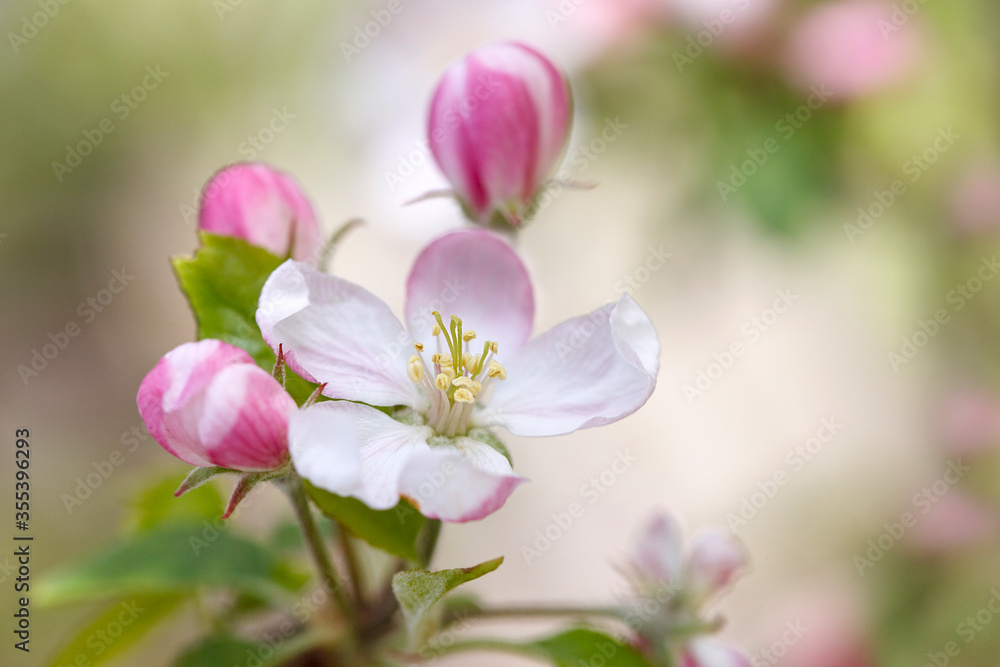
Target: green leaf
[
  {"x": 395, "y": 530},
  {"x": 419, "y": 590},
  {"x": 228, "y": 650},
  {"x": 585, "y": 647},
  {"x": 222, "y": 283},
  {"x": 173, "y": 559},
  {"x": 116, "y": 630},
  {"x": 156, "y": 506}
]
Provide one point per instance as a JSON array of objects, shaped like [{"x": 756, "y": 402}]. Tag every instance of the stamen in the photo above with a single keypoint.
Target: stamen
[
  {"x": 436, "y": 331},
  {"x": 464, "y": 396},
  {"x": 442, "y": 382},
  {"x": 497, "y": 370},
  {"x": 415, "y": 369},
  {"x": 467, "y": 383},
  {"x": 419, "y": 347},
  {"x": 468, "y": 335}
]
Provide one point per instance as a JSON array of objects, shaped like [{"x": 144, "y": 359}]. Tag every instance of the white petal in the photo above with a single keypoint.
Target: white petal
[
  {"x": 709, "y": 652},
  {"x": 459, "y": 484},
  {"x": 354, "y": 450},
  {"x": 336, "y": 332},
  {"x": 588, "y": 371},
  {"x": 658, "y": 555},
  {"x": 715, "y": 559}
]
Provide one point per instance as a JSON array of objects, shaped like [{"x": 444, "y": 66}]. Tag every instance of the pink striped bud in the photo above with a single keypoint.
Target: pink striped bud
[
  {"x": 208, "y": 404},
  {"x": 262, "y": 206},
  {"x": 499, "y": 120}
]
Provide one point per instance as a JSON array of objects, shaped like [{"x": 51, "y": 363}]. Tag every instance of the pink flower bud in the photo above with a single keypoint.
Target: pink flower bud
[
  {"x": 208, "y": 404},
  {"x": 498, "y": 122},
  {"x": 658, "y": 553},
  {"x": 713, "y": 562},
  {"x": 850, "y": 48},
  {"x": 262, "y": 206}
]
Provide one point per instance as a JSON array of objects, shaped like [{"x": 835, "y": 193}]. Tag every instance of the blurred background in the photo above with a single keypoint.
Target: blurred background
[{"x": 818, "y": 182}]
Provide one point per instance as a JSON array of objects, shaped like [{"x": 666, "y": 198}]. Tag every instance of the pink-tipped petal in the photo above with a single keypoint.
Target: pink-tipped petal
[
  {"x": 658, "y": 556},
  {"x": 208, "y": 404},
  {"x": 264, "y": 207},
  {"x": 588, "y": 371},
  {"x": 354, "y": 450},
  {"x": 459, "y": 484},
  {"x": 498, "y": 122},
  {"x": 336, "y": 332},
  {"x": 714, "y": 561},
  {"x": 709, "y": 652},
  {"x": 477, "y": 276},
  {"x": 244, "y": 422}
]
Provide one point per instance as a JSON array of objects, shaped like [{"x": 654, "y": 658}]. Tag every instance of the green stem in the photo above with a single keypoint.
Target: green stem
[
  {"x": 535, "y": 612},
  {"x": 428, "y": 541},
  {"x": 297, "y": 494},
  {"x": 353, "y": 567}
]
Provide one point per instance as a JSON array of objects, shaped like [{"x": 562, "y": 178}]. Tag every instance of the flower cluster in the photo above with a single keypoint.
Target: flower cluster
[
  {"x": 679, "y": 583},
  {"x": 339, "y": 400}
]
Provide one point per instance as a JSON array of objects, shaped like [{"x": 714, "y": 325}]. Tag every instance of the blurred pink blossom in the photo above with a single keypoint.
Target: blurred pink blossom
[
  {"x": 852, "y": 48},
  {"x": 955, "y": 521},
  {"x": 969, "y": 422},
  {"x": 975, "y": 204}
]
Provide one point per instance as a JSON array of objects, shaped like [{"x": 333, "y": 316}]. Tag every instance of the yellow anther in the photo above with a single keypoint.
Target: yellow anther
[
  {"x": 467, "y": 383},
  {"x": 494, "y": 347},
  {"x": 444, "y": 360},
  {"x": 419, "y": 347},
  {"x": 436, "y": 331},
  {"x": 469, "y": 335},
  {"x": 497, "y": 370},
  {"x": 473, "y": 362},
  {"x": 464, "y": 396},
  {"x": 467, "y": 360},
  {"x": 442, "y": 382},
  {"x": 415, "y": 369}
]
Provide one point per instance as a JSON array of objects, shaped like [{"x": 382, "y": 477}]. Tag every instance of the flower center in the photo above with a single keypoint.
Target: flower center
[{"x": 456, "y": 378}]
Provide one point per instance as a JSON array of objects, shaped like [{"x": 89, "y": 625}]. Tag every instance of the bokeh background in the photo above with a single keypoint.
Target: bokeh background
[{"x": 817, "y": 181}]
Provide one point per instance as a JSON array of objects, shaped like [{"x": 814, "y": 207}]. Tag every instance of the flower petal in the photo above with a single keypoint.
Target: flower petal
[
  {"x": 477, "y": 276},
  {"x": 244, "y": 420},
  {"x": 588, "y": 371},
  {"x": 354, "y": 450},
  {"x": 709, "y": 652},
  {"x": 714, "y": 561},
  {"x": 658, "y": 555},
  {"x": 336, "y": 332},
  {"x": 169, "y": 396},
  {"x": 459, "y": 484},
  {"x": 264, "y": 207}
]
